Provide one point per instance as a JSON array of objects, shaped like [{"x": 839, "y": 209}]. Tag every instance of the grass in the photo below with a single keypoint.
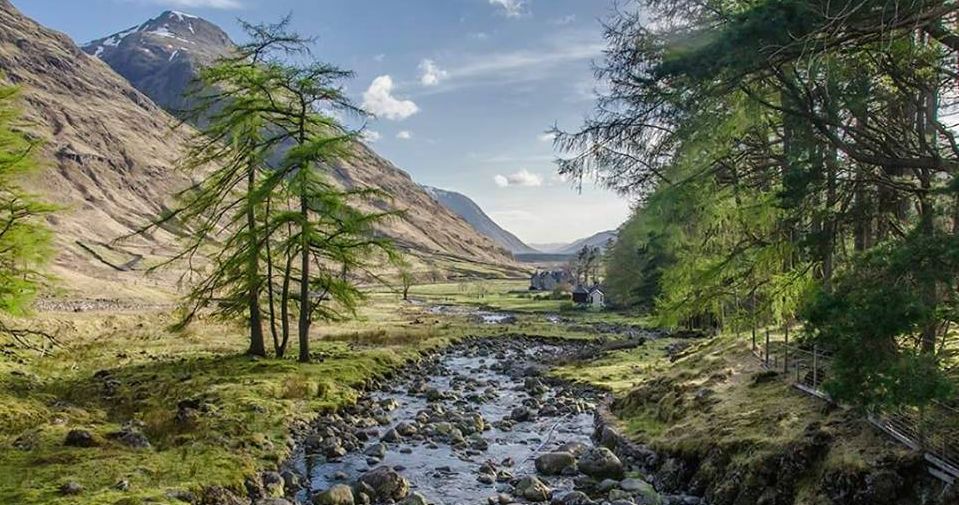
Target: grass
[
  {"x": 250, "y": 404},
  {"x": 715, "y": 406},
  {"x": 122, "y": 367}
]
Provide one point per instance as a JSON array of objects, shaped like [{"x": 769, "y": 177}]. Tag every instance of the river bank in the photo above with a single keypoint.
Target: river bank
[{"x": 723, "y": 428}]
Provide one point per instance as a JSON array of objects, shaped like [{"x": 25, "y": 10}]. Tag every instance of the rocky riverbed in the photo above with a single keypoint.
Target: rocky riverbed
[{"x": 480, "y": 423}]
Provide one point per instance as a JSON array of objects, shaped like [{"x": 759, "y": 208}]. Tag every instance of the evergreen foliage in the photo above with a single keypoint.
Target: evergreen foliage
[
  {"x": 24, "y": 240},
  {"x": 794, "y": 160}
]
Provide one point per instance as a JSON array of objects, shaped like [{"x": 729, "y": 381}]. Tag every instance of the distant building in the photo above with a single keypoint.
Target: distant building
[
  {"x": 580, "y": 295},
  {"x": 550, "y": 280},
  {"x": 597, "y": 297}
]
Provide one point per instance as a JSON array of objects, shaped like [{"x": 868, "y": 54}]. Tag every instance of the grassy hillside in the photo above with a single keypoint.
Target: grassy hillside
[{"x": 735, "y": 433}]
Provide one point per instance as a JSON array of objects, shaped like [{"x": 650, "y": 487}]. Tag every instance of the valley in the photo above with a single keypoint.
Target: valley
[{"x": 234, "y": 269}]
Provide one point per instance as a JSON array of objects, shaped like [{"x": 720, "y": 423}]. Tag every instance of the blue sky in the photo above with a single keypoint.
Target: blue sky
[{"x": 463, "y": 89}]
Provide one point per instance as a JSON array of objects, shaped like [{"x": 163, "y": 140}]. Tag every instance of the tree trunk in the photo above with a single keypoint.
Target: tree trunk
[
  {"x": 285, "y": 303},
  {"x": 257, "y": 344},
  {"x": 304, "y": 325}
]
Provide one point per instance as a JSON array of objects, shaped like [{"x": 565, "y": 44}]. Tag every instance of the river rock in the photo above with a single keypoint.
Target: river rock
[
  {"x": 386, "y": 483},
  {"x": 606, "y": 485},
  {"x": 574, "y": 448},
  {"x": 554, "y": 463},
  {"x": 600, "y": 462},
  {"x": 376, "y": 450},
  {"x": 520, "y": 414},
  {"x": 415, "y": 499},
  {"x": 406, "y": 429},
  {"x": 532, "y": 489},
  {"x": 574, "y": 498},
  {"x": 273, "y": 484},
  {"x": 339, "y": 494}
]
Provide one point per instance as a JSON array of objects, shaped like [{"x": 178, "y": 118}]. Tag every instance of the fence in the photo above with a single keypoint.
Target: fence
[{"x": 933, "y": 431}]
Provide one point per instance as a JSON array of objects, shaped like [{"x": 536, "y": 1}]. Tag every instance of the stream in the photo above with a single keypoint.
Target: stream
[{"x": 467, "y": 426}]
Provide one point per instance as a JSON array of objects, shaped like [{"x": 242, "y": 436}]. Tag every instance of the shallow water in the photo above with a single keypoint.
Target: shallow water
[{"x": 447, "y": 475}]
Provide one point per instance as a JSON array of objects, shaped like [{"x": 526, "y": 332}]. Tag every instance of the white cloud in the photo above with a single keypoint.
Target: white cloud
[
  {"x": 512, "y": 8},
  {"x": 563, "y": 21},
  {"x": 404, "y": 135},
  {"x": 553, "y": 57},
  {"x": 378, "y": 99},
  {"x": 379, "y": 58},
  {"x": 370, "y": 136},
  {"x": 431, "y": 74},
  {"x": 523, "y": 178},
  {"x": 546, "y": 137},
  {"x": 196, "y": 4}
]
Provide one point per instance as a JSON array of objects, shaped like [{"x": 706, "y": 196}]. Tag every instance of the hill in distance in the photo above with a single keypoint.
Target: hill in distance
[
  {"x": 599, "y": 240},
  {"x": 472, "y": 213}
]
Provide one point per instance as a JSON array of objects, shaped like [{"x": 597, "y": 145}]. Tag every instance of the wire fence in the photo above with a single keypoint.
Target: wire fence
[{"x": 933, "y": 430}]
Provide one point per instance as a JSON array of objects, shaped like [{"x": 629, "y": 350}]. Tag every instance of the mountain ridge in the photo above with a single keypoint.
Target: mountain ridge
[
  {"x": 473, "y": 214},
  {"x": 599, "y": 240}
]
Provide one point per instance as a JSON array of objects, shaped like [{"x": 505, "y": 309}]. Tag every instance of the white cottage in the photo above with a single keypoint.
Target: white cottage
[{"x": 597, "y": 298}]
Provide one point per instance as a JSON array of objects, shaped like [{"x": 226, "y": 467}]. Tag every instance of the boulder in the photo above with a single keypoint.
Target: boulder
[
  {"x": 532, "y": 489},
  {"x": 386, "y": 484},
  {"x": 80, "y": 438},
  {"x": 520, "y": 414},
  {"x": 554, "y": 463},
  {"x": 415, "y": 499},
  {"x": 574, "y": 498},
  {"x": 406, "y": 429},
  {"x": 339, "y": 494},
  {"x": 131, "y": 436},
  {"x": 574, "y": 448},
  {"x": 601, "y": 463},
  {"x": 376, "y": 450},
  {"x": 273, "y": 484}
]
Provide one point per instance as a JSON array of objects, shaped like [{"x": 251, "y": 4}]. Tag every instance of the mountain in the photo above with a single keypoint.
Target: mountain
[
  {"x": 161, "y": 56},
  {"x": 110, "y": 154},
  {"x": 598, "y": 240},
  {"x": 467, "y": 209}
]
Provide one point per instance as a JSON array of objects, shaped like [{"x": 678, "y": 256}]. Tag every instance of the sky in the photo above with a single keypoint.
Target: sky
[{"x": 463, "y": 90}]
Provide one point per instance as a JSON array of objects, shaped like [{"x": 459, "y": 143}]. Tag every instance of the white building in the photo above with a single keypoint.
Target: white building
[{"x": 597, "y": 298}]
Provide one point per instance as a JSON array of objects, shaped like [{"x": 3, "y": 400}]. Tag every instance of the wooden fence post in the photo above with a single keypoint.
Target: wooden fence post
[
  {"x": 767, "y": 347},
  {"x": 815, "y": 367},
  {"x": 786, "y": 350}
]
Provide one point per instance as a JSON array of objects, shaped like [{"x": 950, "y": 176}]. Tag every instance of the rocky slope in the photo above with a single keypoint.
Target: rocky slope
[
  {"x": 110, "y": 153},
  {"x": 467, "y": 209},
  {"x": 161, "y": 57}
]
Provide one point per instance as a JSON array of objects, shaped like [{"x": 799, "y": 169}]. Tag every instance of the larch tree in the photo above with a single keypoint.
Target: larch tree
[{"x": 24, "y": 240}]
